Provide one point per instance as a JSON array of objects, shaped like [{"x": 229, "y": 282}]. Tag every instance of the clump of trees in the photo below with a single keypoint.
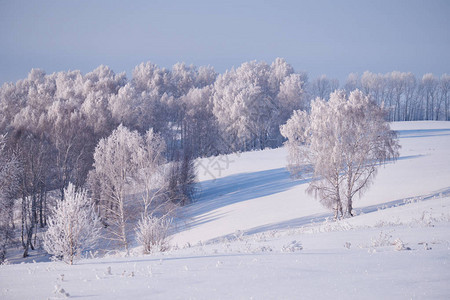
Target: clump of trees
[
  {"x": 9, "y": 181},
  {"x": 63, "y": 126},
  {"x": 340, "y": 144},
  {"x": 126, "y": 162},
  {"x": 250, "y": 103},
  {"x": 406, "y": 97}
]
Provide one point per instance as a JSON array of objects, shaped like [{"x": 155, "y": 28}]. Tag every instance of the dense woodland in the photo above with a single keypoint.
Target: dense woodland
[{"x": 54, "y": 127}]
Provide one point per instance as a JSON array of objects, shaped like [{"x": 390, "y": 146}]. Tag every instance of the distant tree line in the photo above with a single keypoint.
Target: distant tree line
[
  {"x": 56, "y": 128},
  {"x": 403, "y": 95}
]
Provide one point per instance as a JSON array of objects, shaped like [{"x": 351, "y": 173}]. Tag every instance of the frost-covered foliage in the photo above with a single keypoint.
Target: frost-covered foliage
[
  {"x": 54, "y": 121},
  {"x": 122, "y": 160},
  {"x": 152, "y": 233},
  {"x": 323, "y": 86},
  {"x": 115, "y": 164},
  {"x": 340, "y": 143},
  {"x": 73, "y": 226},
  {"x": 9, "y": 185},
  {"x": 250, "y": 102},
  {"x": 151, "y": 172}
]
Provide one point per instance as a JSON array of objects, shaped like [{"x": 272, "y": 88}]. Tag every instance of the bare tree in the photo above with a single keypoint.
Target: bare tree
[
  {"x": 429, "y": 84},
  {"x": 340, "y": 144},
  {"x": 444, "y": 92}
]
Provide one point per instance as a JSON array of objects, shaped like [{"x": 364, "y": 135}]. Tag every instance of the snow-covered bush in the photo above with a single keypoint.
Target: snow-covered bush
[
  {"x": 399, "y": 245},
  {"x": 73, "y": 227},
  {"x": 382, "y": 240},
  {"x": 152, "y": 232},
  {"x": 293, "y": 246}
]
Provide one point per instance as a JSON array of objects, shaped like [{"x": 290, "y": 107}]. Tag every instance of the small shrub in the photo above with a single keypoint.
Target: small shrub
[{"x": 152, "y": 233}]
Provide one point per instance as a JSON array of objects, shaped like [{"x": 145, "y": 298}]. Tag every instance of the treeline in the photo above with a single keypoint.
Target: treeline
[
  {"x": 403, "y": 95},
  {"x": 52, "y": 123}
]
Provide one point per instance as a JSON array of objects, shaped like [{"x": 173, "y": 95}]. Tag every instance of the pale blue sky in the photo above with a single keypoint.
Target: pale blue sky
[{"x": 320, "y": 37}]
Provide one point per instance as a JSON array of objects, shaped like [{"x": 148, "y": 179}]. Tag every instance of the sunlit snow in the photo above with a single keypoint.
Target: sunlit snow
[{"x": 253, "y": 233}]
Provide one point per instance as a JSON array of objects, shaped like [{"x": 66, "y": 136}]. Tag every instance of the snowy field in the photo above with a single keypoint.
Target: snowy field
[{"x": 253, "y": 233}]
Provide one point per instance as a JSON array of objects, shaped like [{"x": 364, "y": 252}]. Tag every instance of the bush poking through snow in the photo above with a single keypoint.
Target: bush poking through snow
[
  {"x": 60, "y": 292},
  {"x": 399, "y": 245},
  {"x": 73, "y": 226},
  {"x": 152, "y": 232},
  {"x": 382, "y": 240},
  {"x": 292, "y": 247}
]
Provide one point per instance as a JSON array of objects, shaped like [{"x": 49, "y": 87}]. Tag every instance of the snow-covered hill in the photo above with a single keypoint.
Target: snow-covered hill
[
  {"x": 254, "y": 233},
  {"x": 253, "y": 191}
]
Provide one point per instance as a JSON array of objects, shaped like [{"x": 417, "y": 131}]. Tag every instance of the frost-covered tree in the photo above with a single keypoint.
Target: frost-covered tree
[
  {"x": 72, "y": 142},
  {"x": 251, "y": 101},
  {"x": 99, "y": 85},
  {"x": 34, "y": 154},
  {"x": 352, "y": 82},
  {"x": 340, "y": 144},
  {"x": 200, "y": 128},
  {"x": 152, "y": 233},
  {"x": 150, "y": 160},
  {"x": 128, "y": 166},
  {"x": 181, "y": 179},
  {"x": 444, "y": 91},
  {"x": 429, "y": 87},
  {"x": 323, "y": 86},
  {"x": 114, "y": 166},
  {"x": 9, "y": 186},
  {"x": 73, "y": 227},
  {"x": 291, "y": 96}
]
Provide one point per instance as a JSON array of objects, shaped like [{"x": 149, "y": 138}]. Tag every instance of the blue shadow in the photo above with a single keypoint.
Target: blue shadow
[
  {"x": 217, "y": 193},
  {"x": 407, "y": 134},
  {"x": 319, "y": 218}
]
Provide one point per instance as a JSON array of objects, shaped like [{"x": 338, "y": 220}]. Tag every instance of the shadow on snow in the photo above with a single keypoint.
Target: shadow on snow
[
  {"x": 320, "y": 218},
  {"x": 232, "y": 189},
  {"x": 407, "y": 134},
  {"x": 217, "y": 193}
]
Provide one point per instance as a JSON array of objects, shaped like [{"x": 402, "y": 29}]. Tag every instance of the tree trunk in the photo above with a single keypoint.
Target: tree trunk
[
  {"x": 29, "y": 244},
  {"x": 338, "y": 212},
  {"x": 349, "y": 206}
]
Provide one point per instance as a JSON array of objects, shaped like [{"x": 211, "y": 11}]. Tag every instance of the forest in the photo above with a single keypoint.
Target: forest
[{"x": 60, "y": 129}]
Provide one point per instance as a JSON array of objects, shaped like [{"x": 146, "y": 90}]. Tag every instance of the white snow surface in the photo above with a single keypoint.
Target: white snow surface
[{"x": 253, "y": 233}]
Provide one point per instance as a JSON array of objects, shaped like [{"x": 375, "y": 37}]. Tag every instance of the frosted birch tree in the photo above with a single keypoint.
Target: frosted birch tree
[
  {"x": 340, "y": 144},
  {"x": 73, "y": 227},
  {"x": 114, "y": 166},
  {"x": 128, "y": 165}
]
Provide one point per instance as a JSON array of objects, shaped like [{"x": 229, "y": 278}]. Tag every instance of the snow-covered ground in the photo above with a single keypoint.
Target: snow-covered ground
[{"x": 254, "y": 233}]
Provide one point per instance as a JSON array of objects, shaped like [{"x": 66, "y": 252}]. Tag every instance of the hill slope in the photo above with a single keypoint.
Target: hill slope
[
  {"x": 254, "y": 233},
  {"x": 253, "y": 190}
]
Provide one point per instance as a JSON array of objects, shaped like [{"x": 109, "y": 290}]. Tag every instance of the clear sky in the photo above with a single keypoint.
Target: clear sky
[{"x": 321, "y": 37}]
